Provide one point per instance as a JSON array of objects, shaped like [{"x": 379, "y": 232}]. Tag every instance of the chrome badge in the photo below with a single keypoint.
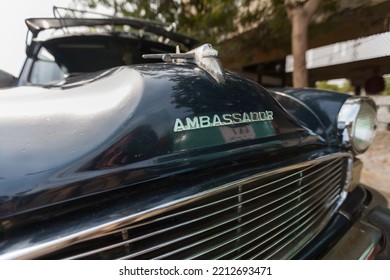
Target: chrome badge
[{"x": 221, "y": 120}]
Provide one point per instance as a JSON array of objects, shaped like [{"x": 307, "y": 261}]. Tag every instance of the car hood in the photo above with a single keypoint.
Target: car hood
[{"x": 127, "y": 125}]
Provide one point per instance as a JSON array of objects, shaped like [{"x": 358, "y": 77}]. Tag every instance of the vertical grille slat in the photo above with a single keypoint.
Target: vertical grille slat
[
  {"x": 206, "y": 229},
  {"x": 311, "y": 220},
  {"x": 267, "y": 215},
  {"x": 279, "y": 225}
]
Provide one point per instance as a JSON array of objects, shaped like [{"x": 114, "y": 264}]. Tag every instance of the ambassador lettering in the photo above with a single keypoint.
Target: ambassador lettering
[{"x": 220, "y": 120}]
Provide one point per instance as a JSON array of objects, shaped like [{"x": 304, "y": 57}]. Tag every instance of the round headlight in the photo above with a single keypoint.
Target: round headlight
[{"x": 357, "y": 122}]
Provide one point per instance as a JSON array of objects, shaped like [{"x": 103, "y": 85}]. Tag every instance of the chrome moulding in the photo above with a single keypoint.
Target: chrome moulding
[{"x": 271, "y": 215}]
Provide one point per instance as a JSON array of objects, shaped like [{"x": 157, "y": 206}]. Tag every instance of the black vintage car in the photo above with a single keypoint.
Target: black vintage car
[{"x": 108, "y": 153}]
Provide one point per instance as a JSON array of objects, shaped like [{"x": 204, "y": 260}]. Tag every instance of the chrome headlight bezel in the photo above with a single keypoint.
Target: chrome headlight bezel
[{"x": 356, "y": 122}]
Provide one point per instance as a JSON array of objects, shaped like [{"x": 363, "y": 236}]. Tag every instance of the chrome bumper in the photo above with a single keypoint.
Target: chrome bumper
[{"x": 369, "y": 235}]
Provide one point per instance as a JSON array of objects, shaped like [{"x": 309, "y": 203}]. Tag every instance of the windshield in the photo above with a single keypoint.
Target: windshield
[
  {"x": 46, "y": 69},
  {"x": 58, "y": 59}
]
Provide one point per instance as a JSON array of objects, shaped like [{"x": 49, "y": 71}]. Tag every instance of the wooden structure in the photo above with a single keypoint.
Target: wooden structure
[{"x": 268, "y": 67}]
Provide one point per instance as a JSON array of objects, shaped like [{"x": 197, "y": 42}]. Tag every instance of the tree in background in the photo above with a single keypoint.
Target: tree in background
[
  {"x": 202, "y": 19},
  {"x": 289, "y": 19},
  {"x": 300, "y": 13},
  {"x": 213, "y": 21}
]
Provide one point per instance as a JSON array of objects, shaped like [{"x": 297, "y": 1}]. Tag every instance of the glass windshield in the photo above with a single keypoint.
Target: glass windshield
[
  {"x": 63, "y": 57},
  {"x": 46, "y": 70}
]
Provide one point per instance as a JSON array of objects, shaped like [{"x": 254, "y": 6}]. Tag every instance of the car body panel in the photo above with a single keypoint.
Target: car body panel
[
  {"x": 129, "y": 125},
  {"x": 179, "y": 160},
  {"x": 323, "y": 106}
]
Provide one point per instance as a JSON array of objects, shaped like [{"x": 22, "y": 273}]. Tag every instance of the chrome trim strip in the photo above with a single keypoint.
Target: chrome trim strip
[
  {"x": 359, "y": 243},
  {"x": 244, "y": 193},
  {"x": 318, "y": 191},
  {"x": 276, "y": 234},
  {"x": 317, "y": 187},
  {"x": 316, "y": 217},
  {"x": 363, "y": 240},
  {"x": 210, "y": 215},
  {"x": 303, "y": 226},
  {"x": 239, "y": 226},
  {"x": 84, "y": 232},
  {"x": 261, "y": 225}
]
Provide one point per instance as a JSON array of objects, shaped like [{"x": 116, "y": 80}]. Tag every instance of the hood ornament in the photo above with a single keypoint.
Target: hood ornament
[{"x": 205, "y": 57}]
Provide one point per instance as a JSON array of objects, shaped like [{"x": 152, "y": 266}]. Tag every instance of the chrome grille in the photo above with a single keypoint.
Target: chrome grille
[{"x": 270, "y": 215}]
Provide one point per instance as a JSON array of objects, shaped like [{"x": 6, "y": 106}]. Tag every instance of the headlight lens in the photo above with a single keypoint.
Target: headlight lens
[{"x": 357, "y": 122}]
